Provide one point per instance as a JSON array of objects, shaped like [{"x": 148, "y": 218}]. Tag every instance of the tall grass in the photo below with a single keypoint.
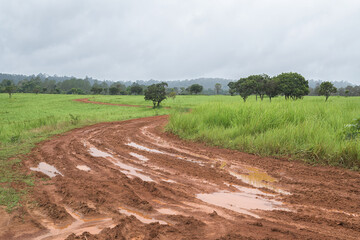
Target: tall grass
[{"x": 309, "y": 129}]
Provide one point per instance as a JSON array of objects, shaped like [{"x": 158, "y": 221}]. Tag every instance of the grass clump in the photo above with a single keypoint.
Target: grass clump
[{"x": 308, "y": 129}]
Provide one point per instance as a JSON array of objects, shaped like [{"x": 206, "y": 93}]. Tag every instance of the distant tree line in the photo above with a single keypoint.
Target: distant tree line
[{"x": 290, "y": 85}]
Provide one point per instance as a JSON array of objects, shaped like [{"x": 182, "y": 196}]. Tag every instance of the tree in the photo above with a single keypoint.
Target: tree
[
  {"x": 232, "y": 88},
  {"x": 172, "y": 95},
  {"x": 326, "y": 89},
  {"x": 245, "y": 87},
  {"x": 114, "y": 90},
  {"x": 136, "y": 89},
  {"x": 217, "y": 88},
  {"x": 8, "y": 86},
  {"x": 293, "y": 85},
  {"x": 260, "y": 81},
  {"x": 272, "y": 88},
  {"x": 195, "y": 88},
  {"x": 96, "y": 89},
  {"x": 156, "y": 93}
]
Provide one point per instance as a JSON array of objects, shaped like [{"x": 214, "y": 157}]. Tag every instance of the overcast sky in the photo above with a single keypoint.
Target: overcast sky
[{"x": 169, "y": 39}]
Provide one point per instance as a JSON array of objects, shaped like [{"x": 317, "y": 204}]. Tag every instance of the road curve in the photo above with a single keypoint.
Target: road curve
[{"x": 131, "y": 179}]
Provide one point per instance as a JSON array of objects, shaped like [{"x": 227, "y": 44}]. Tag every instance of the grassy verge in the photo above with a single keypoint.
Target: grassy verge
[
  {"x": 309, "y": 129},
  {"x": 27, "y": 119}
]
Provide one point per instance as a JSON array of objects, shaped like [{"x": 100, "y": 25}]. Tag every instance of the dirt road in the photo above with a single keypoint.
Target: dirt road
[{"x": 130, "y": 180}]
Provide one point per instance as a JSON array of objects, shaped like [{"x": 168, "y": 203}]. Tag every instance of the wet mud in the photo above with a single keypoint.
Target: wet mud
[{"x": 131, "y": 180}]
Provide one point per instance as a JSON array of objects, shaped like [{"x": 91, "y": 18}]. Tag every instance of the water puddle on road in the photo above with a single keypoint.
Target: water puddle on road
[
  {"x": 140, "y": 147},
  {"x": 167, "y": 211},
  {"x": 83, "y": 168},
  {"x": 138, "y": 156},
  {"x": 133, "y": 171},
  {"x": 244, "y": 201},
  {"x": 47, "y": 169},
  {"x": 98, "y": 153},
  {"x": 143, "y": 218},
  {"x": 258, "y": 179},
  {"x": 80, "y": 225}
]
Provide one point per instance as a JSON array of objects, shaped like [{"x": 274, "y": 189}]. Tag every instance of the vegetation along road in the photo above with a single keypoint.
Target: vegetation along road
[{"x": 131, "y": 179}]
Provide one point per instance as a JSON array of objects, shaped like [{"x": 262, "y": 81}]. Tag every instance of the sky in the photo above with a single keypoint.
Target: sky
[{"x": 181, "y": 39}]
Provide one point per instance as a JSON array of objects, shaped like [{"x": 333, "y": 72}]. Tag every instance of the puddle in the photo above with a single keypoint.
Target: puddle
[
  {"x": 244, "y": 201},
  {"x": 83, "y": 168},
  {"x": 168, "y": 180},
  {"x": 80, "y": 225},
  {"x": 138, "y": 156},
  {"x": 135, "y": 145},
  {"x": 167, "y": 211},
  {"x": 143, "y": 218},
  {"x": 133, "y": 171},
  {"x": 259, "y": 179},
  {"x": 47, "y": 169},
  {"x": 97, "y": 153}
]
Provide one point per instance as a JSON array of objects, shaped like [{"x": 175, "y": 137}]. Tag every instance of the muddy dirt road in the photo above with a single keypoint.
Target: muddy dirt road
[{"x": 130, "y": 180}]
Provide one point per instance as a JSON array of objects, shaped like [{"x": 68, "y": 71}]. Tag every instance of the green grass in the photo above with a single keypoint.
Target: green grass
[
  {"x": 27, "y": 119},
  {"x": 310, "y": 129}
]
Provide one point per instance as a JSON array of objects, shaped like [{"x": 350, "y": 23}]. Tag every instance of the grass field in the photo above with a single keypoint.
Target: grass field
[{"x": 308, "y": 129}]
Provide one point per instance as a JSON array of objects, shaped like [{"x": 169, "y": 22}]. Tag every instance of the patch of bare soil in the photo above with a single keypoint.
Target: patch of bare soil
[{"x": 130, "y": 180}]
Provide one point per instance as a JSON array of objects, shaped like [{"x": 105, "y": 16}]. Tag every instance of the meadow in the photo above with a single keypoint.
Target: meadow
[{"x": 310, "y": 129}]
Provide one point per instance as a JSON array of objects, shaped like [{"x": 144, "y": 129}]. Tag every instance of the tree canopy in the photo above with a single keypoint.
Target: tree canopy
[
  {"x": 326, "y": 89},
  {"x": 156, "y": 93},
  {"x": 195, "y": 88}
]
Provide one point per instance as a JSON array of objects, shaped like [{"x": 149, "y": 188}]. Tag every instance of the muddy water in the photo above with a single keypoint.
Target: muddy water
[
  {"x": 126, "y": 168},
  {"x": 243, "y": 201},
  {"x": 47, "y": 169},
  {"x": 83, "y": 168},
  {"x": 80, "y": 225},
  {"x": 258, "y": 179},
  {"x": 138, "y": 156},
  {"x": 140, "y": 147},
  {"x": 143, "y": 218}
]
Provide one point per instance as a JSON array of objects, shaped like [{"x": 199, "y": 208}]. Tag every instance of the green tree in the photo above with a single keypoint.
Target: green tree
[
  {"x": 217, "y": 88},
  {"x": 195, "y": 88},
  {"x": 96, "y": 89},
  {"x": 245, "y": 87},
  {"x": 326, "y": 89},
  {"x": 232, "y": 88},
  {"x": 8, "y": 86},
  {"x": 260, "y": 80},
  {"x": 114, "y": 90},
  {"x": 156, "y": 93},
  {"x": 136, "y": 89},
  {"x": 293, "y": 85},
  {"x": 272, "y": 88}
]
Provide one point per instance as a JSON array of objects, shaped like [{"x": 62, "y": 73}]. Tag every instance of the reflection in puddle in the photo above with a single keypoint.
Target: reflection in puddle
[
  {"x": 138, "y": 156},
  {"x": 244, "y": 201},
  {"x": 135, "y": 145},
  {"x": 80, "y": 225},
  {"x": 83, "y": 168},
  {"x": 47, "y": 169},
  {"x": 129, "y": 170},
  {"x": 143, "y": 218},
  {"x": 168, "y": 180},
  {"x": 97, "y": 153},
  {"x": 258, "y": 179},
  {"x": 167, "y": 211}
]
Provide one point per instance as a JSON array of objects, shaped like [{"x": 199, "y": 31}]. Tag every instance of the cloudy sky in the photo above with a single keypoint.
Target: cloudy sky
[{"x": 179, "y": 39}]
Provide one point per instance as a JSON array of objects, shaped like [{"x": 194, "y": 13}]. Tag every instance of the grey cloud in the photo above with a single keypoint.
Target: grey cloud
[{"x": 165, "y": 40}]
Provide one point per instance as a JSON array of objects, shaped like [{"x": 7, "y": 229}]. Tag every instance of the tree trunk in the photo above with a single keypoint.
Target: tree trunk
[
  {"x": 326, "y": 98},
  {"x": 270, "y": 99}
]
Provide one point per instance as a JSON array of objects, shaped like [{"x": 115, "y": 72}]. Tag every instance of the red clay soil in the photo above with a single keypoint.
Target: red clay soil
[{"x": 131, "y": 180}]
